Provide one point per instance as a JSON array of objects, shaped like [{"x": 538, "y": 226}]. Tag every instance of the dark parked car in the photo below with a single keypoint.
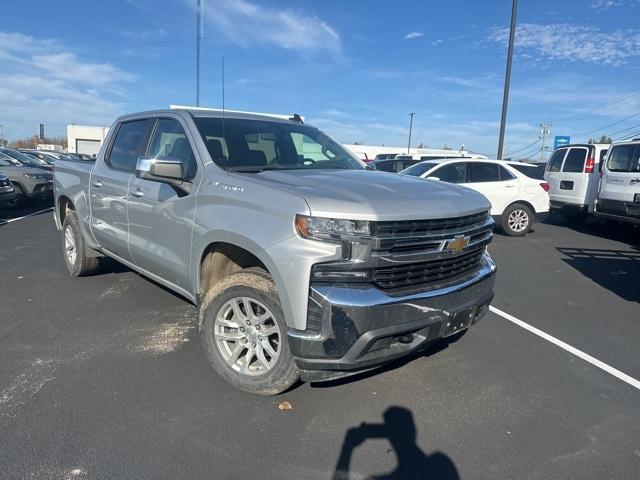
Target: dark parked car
[
  {"x": 29, "y": 183},
  {"x": 393, "y": 165},
  {"x": 45, "y": 155},
  {"x": 26, "y": 160},
  {"x": 7, "y": 192}
]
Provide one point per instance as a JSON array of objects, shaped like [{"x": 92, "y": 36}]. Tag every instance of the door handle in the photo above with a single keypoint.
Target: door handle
[
  {"x": 137, "y": 193},
  {"x": 634, "y": 180},
  {"x": 97, "y": 183},
  {"x": 509, "y": 186}
]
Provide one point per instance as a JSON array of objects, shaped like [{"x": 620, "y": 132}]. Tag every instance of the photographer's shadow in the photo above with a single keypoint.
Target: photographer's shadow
[{"x": 400, "y": 429}]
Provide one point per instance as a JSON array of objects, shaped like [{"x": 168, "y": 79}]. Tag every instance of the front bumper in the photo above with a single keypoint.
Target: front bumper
[
  {"x": 7, "y": 197},
  {"x": 42, "y": 190},
  {"x": 360, "y": 328}
]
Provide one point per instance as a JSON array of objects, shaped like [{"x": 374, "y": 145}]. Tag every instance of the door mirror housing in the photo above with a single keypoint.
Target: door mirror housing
[{"x": 167, "y": 170}]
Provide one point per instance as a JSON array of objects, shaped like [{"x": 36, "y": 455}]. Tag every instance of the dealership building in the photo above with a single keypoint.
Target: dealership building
[{"x": 85, "y": 138}]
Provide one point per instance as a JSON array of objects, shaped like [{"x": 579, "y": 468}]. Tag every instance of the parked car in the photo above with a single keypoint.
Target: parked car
[
  {"x": 573, "y": 173},
  {"x": 26, "y": 160},
  {"x": 45, "y": 155},
  {"x": 29, "y": 183},
  {"x": 516, "y": 199},
  {"x": 393, "y": 165},
  {"x": 304, "y": 264},
  {"x": 619, "y": 191},
  {"x": 7, "y": 192}
]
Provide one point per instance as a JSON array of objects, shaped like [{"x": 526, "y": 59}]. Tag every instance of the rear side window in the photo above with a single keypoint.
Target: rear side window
[
  {"x": 623, "y": 158},
  {"x": 555, "y": 162},
  {"x": 386, "y": 167},
  {"x": 484, "y": 172},
  {"x": 574, "y": 162},
  {"x": 130, "y": 144},
  {"x": 505, "y": 174},
  {"x": 535, "y": 172},
  {"x": 451, "y": 173}
]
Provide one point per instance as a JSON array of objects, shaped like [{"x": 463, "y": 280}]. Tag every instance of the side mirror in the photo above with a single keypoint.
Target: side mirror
[{"x": 166, "y": 170}]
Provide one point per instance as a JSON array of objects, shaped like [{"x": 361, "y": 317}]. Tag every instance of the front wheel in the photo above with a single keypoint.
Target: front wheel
[
  {"x": 245, "y": 335},
  {"x": 517, "y": 220}
]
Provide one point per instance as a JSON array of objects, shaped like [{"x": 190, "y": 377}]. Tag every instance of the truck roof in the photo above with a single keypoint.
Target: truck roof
[{"x": 199, "y": 112}]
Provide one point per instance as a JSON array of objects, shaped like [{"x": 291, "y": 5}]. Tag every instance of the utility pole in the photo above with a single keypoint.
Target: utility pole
[
  {"x": 199, "y": 35},
  {"x": 410, "y": 128},
  {"x": 507, "y": 78},
  {"x": 1, "y": 136},
  {"x": 545, "y": 129}
]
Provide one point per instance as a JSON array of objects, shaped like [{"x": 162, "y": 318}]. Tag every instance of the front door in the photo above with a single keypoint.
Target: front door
[
  {"x": 160, "y": 216},
  {"x": 109, "y": 187}
]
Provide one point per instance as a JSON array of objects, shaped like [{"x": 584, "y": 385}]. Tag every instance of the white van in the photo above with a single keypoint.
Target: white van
[
  {"x": 573, "y": 173},
  {"x": 619, "y": 192}
]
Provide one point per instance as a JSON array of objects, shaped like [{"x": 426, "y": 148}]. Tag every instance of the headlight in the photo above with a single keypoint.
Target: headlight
[
  {"x": 330, "y": 229},
  {"x": 34, "y": 176}
]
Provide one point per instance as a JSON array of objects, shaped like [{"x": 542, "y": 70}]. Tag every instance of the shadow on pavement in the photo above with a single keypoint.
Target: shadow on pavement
[
  {"x": 618, "y": 232},
  {"x": 412, "y": 463},
  {"x": 616, "y": 270}
]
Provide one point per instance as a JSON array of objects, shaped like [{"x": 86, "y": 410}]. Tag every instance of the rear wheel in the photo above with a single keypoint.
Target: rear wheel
[
  {"x": 73, "y": 247},
  {"x": 517, "y": 220},
  {"x": 244, "y": 333}
]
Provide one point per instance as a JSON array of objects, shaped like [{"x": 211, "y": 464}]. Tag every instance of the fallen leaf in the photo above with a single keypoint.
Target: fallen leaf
[{"x": 285, "y": 406}]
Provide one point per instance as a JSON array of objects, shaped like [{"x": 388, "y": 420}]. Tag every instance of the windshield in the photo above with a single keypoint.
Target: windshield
[
  {"x": 418, "y": 169},
  {"x": 7, "y": 161},
  {"x": 24, "y": 159},
  {"x": 257, "y": 145}
]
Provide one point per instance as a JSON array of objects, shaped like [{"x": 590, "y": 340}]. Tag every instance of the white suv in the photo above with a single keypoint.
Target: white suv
[
  {"x": 619, "y": 192},
  {"x": 573, "y": 174},
  {"x": 516, "y": 197}
]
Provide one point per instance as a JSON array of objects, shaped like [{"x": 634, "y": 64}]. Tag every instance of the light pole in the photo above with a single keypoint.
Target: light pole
[
  {"x": 507, "y": 78},
  {"x": 410, "y": 128}
]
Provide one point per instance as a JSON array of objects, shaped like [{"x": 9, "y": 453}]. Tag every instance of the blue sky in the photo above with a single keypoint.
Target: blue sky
[{"x": 355, "y": 68}]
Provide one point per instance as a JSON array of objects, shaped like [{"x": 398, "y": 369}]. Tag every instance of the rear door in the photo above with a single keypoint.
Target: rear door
[
  {"x": 553, "y": 175},
  {"x": 573, "y": 182},
  {"x": 161, "y": 217},
  {"x": 109, "y": 185},
  {"x": 494, "y": 182}
]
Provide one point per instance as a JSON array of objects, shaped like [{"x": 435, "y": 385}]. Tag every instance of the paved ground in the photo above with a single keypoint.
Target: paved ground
[{"x": 104, "y": 377}]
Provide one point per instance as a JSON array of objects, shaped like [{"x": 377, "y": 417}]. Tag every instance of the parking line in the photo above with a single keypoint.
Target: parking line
[
  {"x": 3, "y": 221},
  {"x": 578, "y": 353}
]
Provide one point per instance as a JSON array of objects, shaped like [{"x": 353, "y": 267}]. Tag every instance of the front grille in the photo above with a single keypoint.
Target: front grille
[
  {"x": 413, "y": 228},
  {"x": 416, "y": 276}
]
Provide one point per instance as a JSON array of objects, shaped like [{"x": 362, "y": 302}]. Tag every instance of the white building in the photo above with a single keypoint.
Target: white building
[{"x": 85, "y": 138}]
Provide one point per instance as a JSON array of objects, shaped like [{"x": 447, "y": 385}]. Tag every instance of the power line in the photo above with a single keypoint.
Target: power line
[
  {"x": 603, "y": 106},
  {"x": 599, "y": 129},
  {"x": 523, "y": 148},
  {"x": 624, "y": 130}
]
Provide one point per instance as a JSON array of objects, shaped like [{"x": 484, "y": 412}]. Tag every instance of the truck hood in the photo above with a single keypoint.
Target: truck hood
[{"x": 367, "y": 195}]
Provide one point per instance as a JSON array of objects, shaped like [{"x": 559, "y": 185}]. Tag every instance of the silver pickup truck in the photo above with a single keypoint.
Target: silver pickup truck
[{"x": 304, "y": 264}]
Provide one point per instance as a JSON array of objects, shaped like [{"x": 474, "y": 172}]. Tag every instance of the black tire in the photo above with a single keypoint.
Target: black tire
[
  {"x": 257, "y": 285},
  {"x": 81, "y": 264},
  {"x": 518, "y": 230},
  {"x": 575, "y": 218},
  {"x": 21, "y": 196}
]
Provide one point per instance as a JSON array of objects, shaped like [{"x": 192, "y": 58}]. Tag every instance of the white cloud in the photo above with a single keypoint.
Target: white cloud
[
  {"x": 66, "y": 66},
  {"x": 247, "y": 24},
  {"x": 601, "y": 5},
  {"x": 570, "y": 43},
  {"x": 42, "y": 82},
  {"x": 412, "y": 35}
]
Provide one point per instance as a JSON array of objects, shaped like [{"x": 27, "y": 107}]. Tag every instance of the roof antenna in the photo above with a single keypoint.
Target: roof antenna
[{"x": 224, "y": 137}]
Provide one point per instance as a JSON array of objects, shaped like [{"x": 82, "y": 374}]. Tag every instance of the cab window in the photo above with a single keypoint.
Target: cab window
[
  {"x": 451, "y": 173},
  {"x": 623, "y": 158},
  {"x": 129, "y": 145},
  {"x": 170, "y": 142}
]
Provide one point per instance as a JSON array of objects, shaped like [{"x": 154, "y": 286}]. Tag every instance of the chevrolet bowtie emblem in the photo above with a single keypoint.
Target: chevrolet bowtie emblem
[{"x": 457, "y": 244}]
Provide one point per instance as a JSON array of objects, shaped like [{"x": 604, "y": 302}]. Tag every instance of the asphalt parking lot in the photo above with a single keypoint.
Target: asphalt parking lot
[{"x": 104, "y": 377}]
